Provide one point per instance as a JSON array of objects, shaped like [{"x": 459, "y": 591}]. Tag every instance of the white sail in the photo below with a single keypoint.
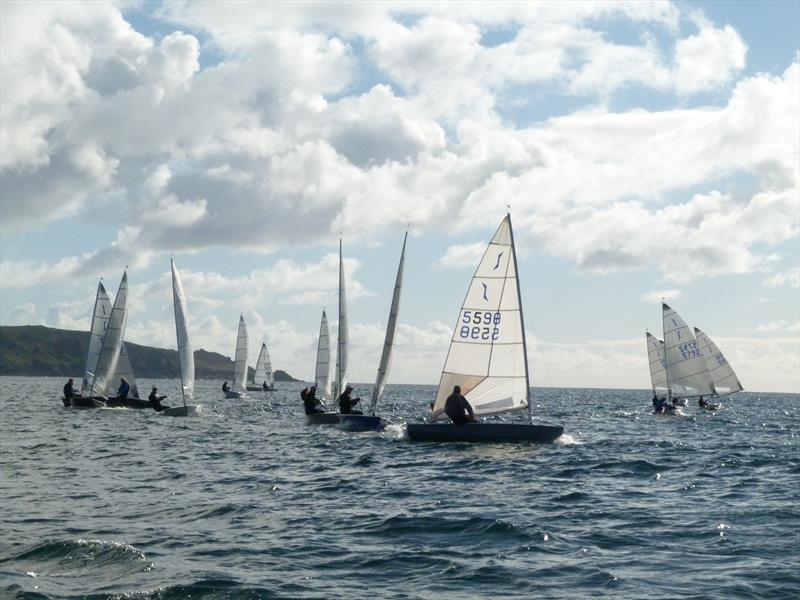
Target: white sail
[
  {"x": 687, "y": 374},
  {"x": 100, "y": 316},
  {"x": 487, "y": 356},
  {"x": 185, "y": 352},
  {"x": 343, "y": 339},
  {"x": 240, "y": 358},
  {"x": 125, "y": 369},
  {"x": 658, "y": 374},
  {"x": 388, "y": 342},
  {"x": 263, "y": 370},
  {"x": 322, "y": 375},
  {"x": 725, "y": 380},
  {"x": 112, "y": 341}
]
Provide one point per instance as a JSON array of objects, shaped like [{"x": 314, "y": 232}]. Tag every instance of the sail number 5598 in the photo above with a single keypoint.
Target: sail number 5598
[{"x": 480, "y": 325}]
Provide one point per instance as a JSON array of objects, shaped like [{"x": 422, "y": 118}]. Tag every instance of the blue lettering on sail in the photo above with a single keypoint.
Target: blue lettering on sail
[
  {"x": 485, "y": 291},
  {"x": 673, "y": 322},
  {"x": 498, "y": 261}
]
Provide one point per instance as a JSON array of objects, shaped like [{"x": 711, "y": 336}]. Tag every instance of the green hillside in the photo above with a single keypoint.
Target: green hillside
[{"x": 36, "y": 350}]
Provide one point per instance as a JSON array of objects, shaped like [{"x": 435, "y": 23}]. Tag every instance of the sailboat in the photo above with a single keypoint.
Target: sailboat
[
  {"x": 658, "y": 371},
  {"x": 239, "y": 363},
  {"x": 371, "y": 421},
  {"x": 488, "y": 356},
  {"x": 342, "y": 342},
  {"x": 185, "y": 351},
  {"x": 263, "y": 379},
  {"x": 125, "y": 369},
  {"x": 686, "y": 371},
  {"x": 322, "y": 371},
  {"x": 722, "y": 374}
]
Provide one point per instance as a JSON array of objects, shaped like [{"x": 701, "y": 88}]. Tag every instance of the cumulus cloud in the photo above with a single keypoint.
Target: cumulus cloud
[
  {"x": 657, "y": 295},
  {"x": 465, "y": 255},
  {"x": 24, "y": 314},
  {"x": 789, "y": 278}
]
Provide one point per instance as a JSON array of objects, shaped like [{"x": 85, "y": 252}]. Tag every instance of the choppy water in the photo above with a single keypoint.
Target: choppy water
[{"x": 248, "y": 502}]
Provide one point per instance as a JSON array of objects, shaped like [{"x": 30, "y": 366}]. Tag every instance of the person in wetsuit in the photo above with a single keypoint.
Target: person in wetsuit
[
  {"x": 659, "y": 404},
  {"x": 155, "y": 401},
  {"x": 69, "y": 392},
  {"x": 124, "y": 388},
  {"x": 225, "y": 387},
  {"x": 264, "y": 386},
  {"x": 455, "y": 407},
  {"x": 309, "y": 397},
  {"x": 346, "y": 402}
]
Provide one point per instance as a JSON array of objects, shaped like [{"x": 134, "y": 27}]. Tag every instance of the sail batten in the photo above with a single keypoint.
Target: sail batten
[
  {"x": 185, "y": 351},
  {"x": 322, "y": 374},
  {"x": 487, "y": 355},
  {"x": 240, "y": 358},
  {"x": 686, "y": 371},
  {"x": 391, "y": 326},
  {"x": 721, "y": 372}
]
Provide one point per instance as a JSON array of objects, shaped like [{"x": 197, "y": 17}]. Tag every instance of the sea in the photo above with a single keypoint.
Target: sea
[{"x": 247, "y": 501}]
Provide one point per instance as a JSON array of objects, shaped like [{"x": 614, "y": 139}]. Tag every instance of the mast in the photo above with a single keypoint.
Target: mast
[
  {"x": 177, "y": 332},
  {"x": 341, "y": 342},
  {"x": 666, "y": 359},
  {"x": 521, "y": 320}
]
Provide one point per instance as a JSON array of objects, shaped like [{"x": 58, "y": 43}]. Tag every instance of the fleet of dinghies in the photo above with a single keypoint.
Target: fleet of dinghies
[
  {"x": 686, "y": 365},
  {"x": 487, "y": 360}
]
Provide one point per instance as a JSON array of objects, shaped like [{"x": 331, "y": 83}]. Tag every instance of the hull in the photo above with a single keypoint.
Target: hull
[
  {"x": 491, "y": 433},
  {"x": 232, "y": 394},
  {"x": 361, "y": 423},
  {"x": 181, "y": 411},
  {"x": 80, "y": 402},
  {"x": 323, "y": 419},
  {"x": 258, "y": 388},
  {"x": 128, "y": 403}
]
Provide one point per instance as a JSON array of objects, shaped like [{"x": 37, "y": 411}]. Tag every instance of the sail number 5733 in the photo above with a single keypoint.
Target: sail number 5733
[{"x": 480, "y": 325}]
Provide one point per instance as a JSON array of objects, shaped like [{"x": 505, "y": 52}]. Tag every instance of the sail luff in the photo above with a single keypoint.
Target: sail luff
[
  {"x": 112, "y": 341},
  {"x": 342, "y": 340},
  {"x": 322, "y": 372},
  {"x": 97, "y": 330},
  {"x": 240, "y": 358},
  {"x": 391, "y": 326},
  {"x": 185, "y": 352},
  {"x": 720, "y": 370},
  {"x": 521, "y": 321}
]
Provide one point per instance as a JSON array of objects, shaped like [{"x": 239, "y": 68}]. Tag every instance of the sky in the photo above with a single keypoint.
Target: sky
[{"x": 646, "y": 150}]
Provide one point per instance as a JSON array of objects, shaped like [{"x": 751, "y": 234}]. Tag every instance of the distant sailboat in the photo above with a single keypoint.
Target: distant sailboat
[
  {"x": 185, "y": 351},
  {"x": 488, "y": 356},
  {"x": 725, "y": 380},
  {"x": 263, "y": 379},
  {"x": 342, "y": 343},
  {"x": 239, "y": 363},
  {"x": 686, "y": 371},
  {"x": 322, "y": 371},
  {"x": 658, "y": 372},
  {"x": 370, "y": 420}
]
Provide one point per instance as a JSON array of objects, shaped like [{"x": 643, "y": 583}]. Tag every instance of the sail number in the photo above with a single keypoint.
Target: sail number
[
  {"x": 480, "y": 325},
  {"x": 689, "y": 350}
]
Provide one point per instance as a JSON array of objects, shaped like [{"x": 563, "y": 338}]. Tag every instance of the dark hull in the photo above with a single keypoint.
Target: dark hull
[
  {"x": 492, "y": 433},
  {"x": 258, "y": 388},
  {"x": 230, "y": 394},
  {"x": 80, "y": 402},
  {"x": 181, "y": 411},
  {"x": 128, "y": 403},
  {"x": 361, "y": 423},
  {"x": 323, "y": 419}
]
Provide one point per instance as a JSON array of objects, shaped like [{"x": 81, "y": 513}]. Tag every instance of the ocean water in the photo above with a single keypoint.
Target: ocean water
[{"x": 247, "y": 501}]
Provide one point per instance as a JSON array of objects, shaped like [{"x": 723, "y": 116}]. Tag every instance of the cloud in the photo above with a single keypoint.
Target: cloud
[
  {"x": 25, "y": 314},
  {"x": 465, "y": 255},
  {"x": 774, "y": 326},
  {"x": 657, "y": 295},
  {"x": 789, "y": 278}
]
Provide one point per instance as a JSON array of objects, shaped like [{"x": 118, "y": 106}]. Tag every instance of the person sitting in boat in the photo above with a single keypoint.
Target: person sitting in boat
[
  {"x": 309, "y": 397},
  {"x": 264, "y": 386},
  {"x": 124, "y": 388},
  {"x": 69, "y": 392},
  {"x": 346, "y": 402},
  {"x": 676, "y": 401},
  {"x": 155, "y": 400},
  {"x": 225, "y": 387},
  {"x": 659, "y": 404},
  {"x": 455, "y": 407}
]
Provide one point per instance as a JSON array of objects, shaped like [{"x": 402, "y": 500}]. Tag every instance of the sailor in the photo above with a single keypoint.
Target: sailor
[
  {"x": 225, "y": 387},
  {"x": 309, "y": 397},
  {"x": 155, "y": 401},
  {"x": 264, "y": 386},
  {"x": 455, "y": 405},
  {"x": 68, "y": 391},
  {"x": 659, "y": 404},
  {"x": 346, "y": 403},
  {"x": 124, "y": 388}
]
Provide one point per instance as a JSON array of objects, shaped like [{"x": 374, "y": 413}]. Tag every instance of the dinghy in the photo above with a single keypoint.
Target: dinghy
[
  {"x": 488, "y": 356},
  {"x": 658, "y": 374},
  {"x": 125, "y": 369},
  {"x": 342, "y": 343},
  {"x": 239, "y": 363},
  {"x": 263, "y": 380},
  {"x": 371, "y": 421},
  {"x": 725, "y": 380},
  {"x": 185, "y": 351}
]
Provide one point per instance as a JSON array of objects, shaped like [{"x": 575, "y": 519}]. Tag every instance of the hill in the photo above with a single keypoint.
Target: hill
[{"x": 37, "y": 350}]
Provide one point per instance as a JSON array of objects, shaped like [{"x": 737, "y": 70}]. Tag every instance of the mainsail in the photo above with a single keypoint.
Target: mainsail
[
  {"x": 112, "y": 341},
  {"x": 658, "y": 374},
  {"x": 687, "y": 374},
  {"x": 125, "y": 369},
  {"x": 322, "y": 375},
  {"x": 263, "y": 370},
  {"x": 343, "y": 340},
  {"x": 185, "y": 352},
  {"x": 488, "y": 356},
  {"x": 100, "y": 316},
  {"x": 240, "y": 358},
  {"x": 388, "y": 342},
  {"x": 725, "y": 380}
]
